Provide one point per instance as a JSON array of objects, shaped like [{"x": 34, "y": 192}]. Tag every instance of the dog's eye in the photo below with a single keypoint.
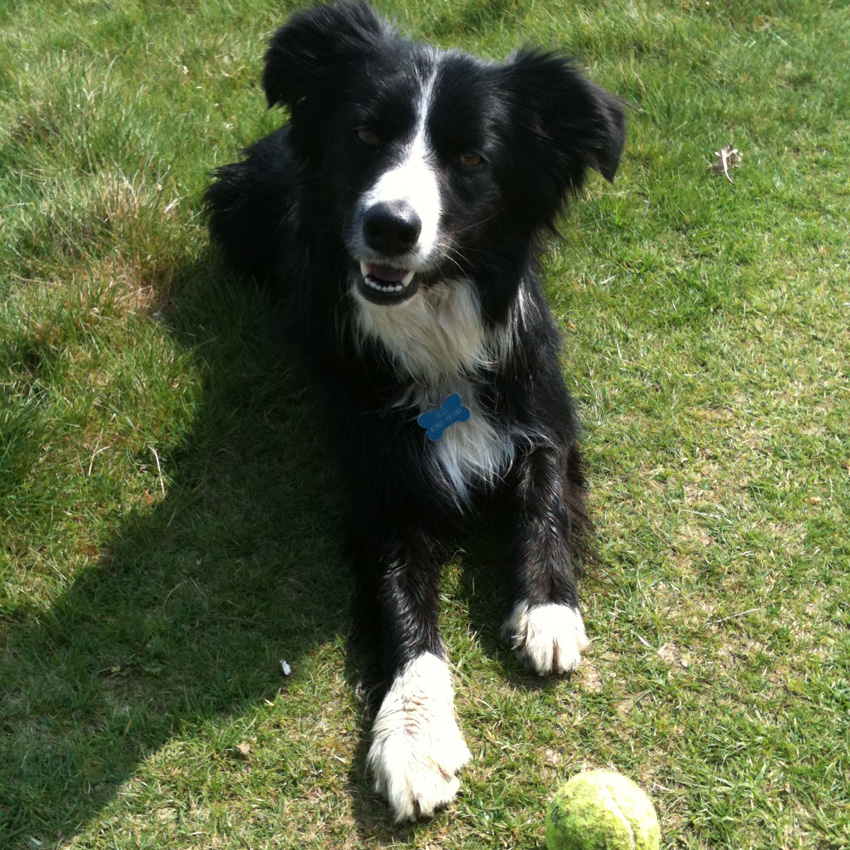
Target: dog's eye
[
  {"x": 469, "y": 160},
  {"x": 367, "y": 137}
]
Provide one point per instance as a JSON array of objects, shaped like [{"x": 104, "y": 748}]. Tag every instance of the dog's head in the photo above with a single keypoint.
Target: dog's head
[{"x": 432, "y": 158}]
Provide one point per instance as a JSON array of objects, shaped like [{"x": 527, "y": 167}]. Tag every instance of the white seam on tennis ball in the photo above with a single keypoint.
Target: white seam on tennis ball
[{"x": 619, "y": 812}]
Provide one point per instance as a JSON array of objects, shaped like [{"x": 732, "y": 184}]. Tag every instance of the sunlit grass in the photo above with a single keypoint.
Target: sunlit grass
[{"x": 168, "y": 520}]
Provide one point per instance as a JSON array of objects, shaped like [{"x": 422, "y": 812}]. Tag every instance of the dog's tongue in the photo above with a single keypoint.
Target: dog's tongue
[{"x": 387, "y": 273}]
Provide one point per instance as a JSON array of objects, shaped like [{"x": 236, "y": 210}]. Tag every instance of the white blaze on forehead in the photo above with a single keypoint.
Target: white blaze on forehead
[{"x": 414, "y": 180}]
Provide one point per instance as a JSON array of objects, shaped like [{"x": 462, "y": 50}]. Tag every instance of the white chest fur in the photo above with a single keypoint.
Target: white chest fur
[
  {"x": 438, "y": 338},
  {"x": 470, "y": 452},
  {"x": 436, "y": 334}
]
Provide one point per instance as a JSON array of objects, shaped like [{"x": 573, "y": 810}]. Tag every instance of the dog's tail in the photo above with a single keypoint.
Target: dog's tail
[{"x": 248, "y": 205}]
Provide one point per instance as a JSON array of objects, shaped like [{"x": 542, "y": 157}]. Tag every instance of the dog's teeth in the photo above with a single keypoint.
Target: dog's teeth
[{"x": 390, "y": 288}]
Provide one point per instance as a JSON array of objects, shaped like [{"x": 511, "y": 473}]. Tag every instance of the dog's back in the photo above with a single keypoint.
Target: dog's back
[{"x": 250, "y": 204}]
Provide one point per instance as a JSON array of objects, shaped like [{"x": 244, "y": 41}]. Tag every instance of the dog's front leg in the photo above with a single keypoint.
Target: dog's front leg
[
  {"x": 417, "y": 747},
  {"x": 545, "y": 626}
]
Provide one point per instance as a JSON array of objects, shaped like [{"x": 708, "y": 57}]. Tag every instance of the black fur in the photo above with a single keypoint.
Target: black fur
[{"x": 286, "y": 214}]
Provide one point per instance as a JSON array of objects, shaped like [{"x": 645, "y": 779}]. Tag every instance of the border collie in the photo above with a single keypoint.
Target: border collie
[{"x": 398, "y": 216}]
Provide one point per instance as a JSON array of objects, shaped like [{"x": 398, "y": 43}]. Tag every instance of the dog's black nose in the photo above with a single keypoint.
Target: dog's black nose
[{"x": 391, "y": 229}]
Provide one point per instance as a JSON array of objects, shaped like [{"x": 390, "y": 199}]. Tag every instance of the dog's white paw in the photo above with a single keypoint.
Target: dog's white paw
[
  {"x": 549, "y": 638},
  {"x": 417, "y": 747}
]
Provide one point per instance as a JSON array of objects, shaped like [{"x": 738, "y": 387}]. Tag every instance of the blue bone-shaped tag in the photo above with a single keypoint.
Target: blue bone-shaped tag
[{"x": 436, "y": 421}]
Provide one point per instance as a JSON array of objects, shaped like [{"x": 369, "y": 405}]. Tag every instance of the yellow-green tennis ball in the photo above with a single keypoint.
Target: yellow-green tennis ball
[{"x": 601, "y": 810}]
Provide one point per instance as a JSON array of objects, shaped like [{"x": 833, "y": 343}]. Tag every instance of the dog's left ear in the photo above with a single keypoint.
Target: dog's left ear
[{"x": 566, "y": 123}]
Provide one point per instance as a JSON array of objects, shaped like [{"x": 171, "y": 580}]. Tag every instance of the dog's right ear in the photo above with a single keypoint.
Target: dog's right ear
[{"x": 305, "y": 56}]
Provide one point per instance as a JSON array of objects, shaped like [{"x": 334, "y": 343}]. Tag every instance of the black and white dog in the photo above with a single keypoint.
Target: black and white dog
[{"x": 398, "y": 216}]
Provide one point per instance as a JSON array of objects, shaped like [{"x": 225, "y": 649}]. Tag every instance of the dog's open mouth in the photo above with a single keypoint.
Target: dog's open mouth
[{"x": 385, "y": 284}]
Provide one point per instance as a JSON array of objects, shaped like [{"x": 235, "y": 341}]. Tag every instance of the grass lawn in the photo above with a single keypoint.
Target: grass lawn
[{"x": 167, "y": 518}]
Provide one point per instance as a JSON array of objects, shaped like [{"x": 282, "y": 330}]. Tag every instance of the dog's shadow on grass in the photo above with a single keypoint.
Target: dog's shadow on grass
[{"x": 192, "y": 602}]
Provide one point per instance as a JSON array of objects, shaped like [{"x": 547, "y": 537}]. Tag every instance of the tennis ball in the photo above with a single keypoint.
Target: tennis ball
[{"x": 601, "y": 810}]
